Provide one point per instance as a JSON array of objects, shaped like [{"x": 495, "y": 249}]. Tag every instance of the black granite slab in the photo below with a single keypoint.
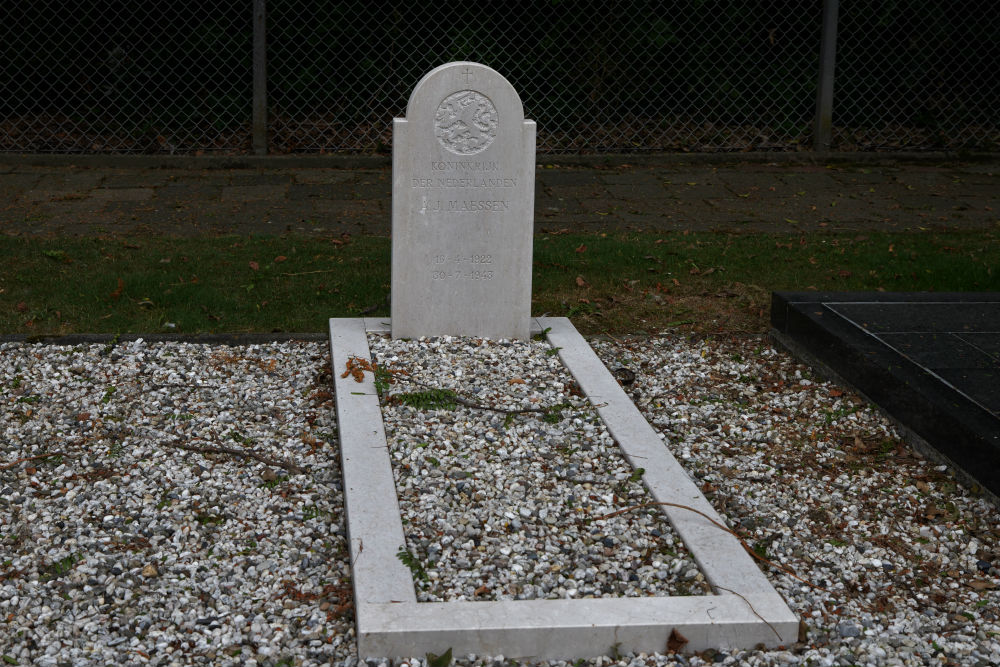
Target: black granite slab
[{"x": 929, "y": 360}]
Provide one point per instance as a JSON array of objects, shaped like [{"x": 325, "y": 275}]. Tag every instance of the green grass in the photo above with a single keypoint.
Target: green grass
[
  {"x": 608, "y": 283},
  {"x": 196, "y": 285}
]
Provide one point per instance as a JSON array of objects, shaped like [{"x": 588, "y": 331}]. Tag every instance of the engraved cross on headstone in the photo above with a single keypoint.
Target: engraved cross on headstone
[{"x": 467, "y": 72}]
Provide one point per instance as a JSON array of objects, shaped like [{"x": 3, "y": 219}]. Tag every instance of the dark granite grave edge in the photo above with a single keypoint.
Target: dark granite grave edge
[
  {"x": 935, "y": 419},
  {"x": 207, "y": 338}
]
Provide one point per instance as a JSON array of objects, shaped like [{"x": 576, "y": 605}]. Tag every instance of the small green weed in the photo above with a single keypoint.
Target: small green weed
[
  {"x": 581, "y": 309},
  {"x": 843, "y": 411},
  {"x": 414, "y": 564},
  {"x": 553, "y": 414},
  {"x": 61, "y": 567},
  {"x": 275, "y": 482},
  {"x": 57, "y": 255},
  {"x": 108, "y": 393},
  {"x": 164, "y": 500},
  {"x": 760, "y": 547},
  {"x": 209, "y": 519},
  {"x": 236, "y": 436},
  {"x": 544, "y": 332},
  {"x": 442, "y": 660},
  {"x": 430, "y": 399},
  {"x": 111, "y": 344},
  {"x": 615, "y": 651},
  {"x": 634, "y": 477}
]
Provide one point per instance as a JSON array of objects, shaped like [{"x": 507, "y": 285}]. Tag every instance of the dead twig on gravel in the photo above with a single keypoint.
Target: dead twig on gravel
[
  {"x": 357, "y": 366},
  {"x": 746, "y": 546},
  {"x": 479, "y": 406},
  {"x": 10, "y": 465},
  {"x": 728, "y": 590},
  {"x": 249, "y": 453}
]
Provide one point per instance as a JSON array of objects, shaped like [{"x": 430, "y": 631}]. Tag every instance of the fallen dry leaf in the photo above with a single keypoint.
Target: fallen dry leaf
[
  {"x": 280, "y": 258},
  {"x": 515, "y": 381},
  {"x": 581, "y": 248},
  {"x": 254, "y": 266},
  {"x": 982, "y": 585},
  {"x": 676, "y": 641},
  {"x": 580, "y": 282}
]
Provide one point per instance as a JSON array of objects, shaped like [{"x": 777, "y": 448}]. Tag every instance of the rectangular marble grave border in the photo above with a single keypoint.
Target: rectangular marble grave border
[{"x": 745, "y": 611}]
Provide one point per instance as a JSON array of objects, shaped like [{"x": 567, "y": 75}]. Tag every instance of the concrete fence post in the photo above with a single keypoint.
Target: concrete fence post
[
  {"x": 823, "y": 124},
  {"x": 259, "y": 78}
]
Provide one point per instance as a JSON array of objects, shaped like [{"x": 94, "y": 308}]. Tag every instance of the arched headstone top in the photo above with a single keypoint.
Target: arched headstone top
[
  {"x": 463, "y": 186},
  {"x": 461, "y": 81}
]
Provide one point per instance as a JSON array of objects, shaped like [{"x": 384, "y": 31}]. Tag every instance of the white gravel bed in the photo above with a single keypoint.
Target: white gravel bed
[
  {"x": 127, "y": 549},
  {"x": 504, "y": 508}
]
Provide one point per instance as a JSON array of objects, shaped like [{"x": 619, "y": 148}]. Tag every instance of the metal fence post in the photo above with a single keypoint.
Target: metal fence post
[
  {"x": 823, "y": 125},
  {"x": 259, "y": 78}
]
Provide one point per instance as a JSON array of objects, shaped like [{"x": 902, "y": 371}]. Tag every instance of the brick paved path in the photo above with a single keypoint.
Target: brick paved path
[{"x": 157, "y": 197}]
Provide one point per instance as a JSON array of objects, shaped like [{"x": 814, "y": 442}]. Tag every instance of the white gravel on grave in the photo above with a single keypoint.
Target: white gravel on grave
[
  {"x": 126, "y": 549},
  {"x": 505, "y": 508}
]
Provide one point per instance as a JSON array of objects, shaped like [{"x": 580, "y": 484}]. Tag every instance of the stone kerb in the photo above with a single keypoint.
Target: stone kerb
[{"x": 463, "y": 167}]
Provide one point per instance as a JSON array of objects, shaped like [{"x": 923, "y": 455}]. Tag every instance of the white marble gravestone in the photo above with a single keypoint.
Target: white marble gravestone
[{"x": 463, "y": 188}]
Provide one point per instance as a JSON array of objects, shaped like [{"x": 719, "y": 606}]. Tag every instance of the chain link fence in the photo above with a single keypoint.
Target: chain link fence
[
  {"x": 99, "y": 77},
  {"x": 918, "y": 74},
  {"x": 611, "y": 76}
]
